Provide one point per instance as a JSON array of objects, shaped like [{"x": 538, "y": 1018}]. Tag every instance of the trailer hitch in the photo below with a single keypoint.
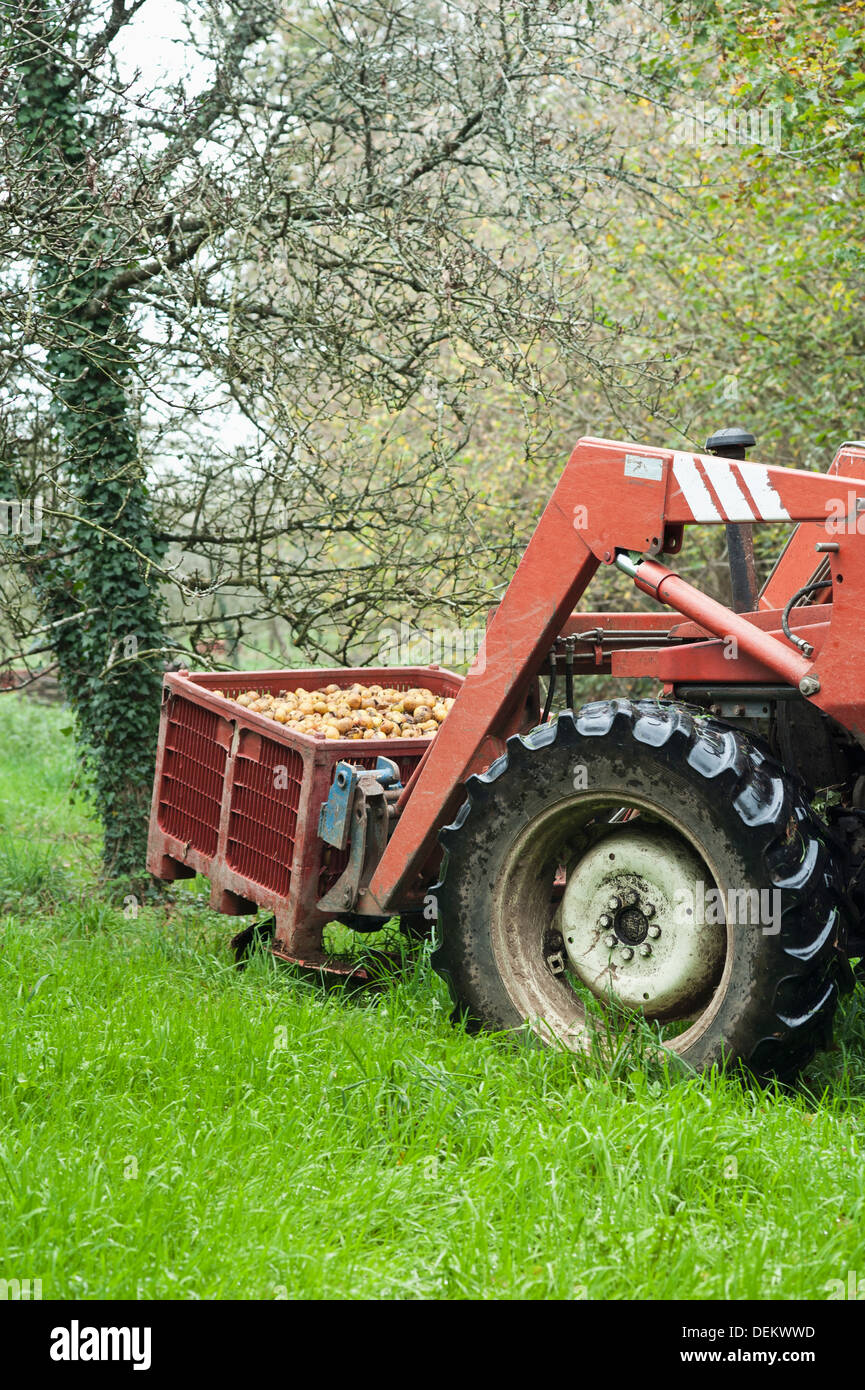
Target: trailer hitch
[{"x": 358, "y": 814}]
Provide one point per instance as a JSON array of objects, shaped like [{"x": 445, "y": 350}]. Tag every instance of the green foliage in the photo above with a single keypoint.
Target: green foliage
[{"x": 764, "y": 270}]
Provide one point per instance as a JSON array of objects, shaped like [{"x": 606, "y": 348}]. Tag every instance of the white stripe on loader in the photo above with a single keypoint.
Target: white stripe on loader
[
  {"x": 697, "y": 495},
  {"x": 732, "y": 498},
  {"x": 756, "y": 479}
]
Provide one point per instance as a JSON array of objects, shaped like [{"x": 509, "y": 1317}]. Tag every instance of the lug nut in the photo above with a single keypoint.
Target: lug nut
[
  {"x": 630, "y": 898},
  {"x": 648, "y": 909},
  {"x": 604, "y": 920},
  {"x": 614, "y": 904},
  {"x": 610, "y": 941},
  {"x": 627, "y": 954},
  {"x": 645, "y": 949},
  {"x": 654, "y": 932}
]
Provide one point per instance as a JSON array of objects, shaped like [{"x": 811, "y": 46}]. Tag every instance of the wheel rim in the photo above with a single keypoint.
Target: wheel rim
[
  {"x": 545, "y": 974},
  {"x": 628, "y": 927}
]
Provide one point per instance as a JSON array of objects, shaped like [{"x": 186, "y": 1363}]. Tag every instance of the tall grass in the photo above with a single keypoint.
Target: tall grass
[{"x": 174, "y": 1127}]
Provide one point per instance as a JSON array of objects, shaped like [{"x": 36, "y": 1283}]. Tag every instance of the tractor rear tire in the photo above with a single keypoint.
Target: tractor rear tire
[{"x": 702, "y": 798}]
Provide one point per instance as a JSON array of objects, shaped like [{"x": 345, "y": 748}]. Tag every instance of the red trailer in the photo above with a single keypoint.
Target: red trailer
[
  {"x": 696, "y": 859},
  {"x": 238, "y": 798}
]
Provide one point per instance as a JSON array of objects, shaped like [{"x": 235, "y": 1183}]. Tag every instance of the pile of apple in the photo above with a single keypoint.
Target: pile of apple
[{"x": 356, "y": 711}]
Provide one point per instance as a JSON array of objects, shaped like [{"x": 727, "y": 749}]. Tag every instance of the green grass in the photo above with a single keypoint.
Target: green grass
[{"x": 172, "y": 1127}]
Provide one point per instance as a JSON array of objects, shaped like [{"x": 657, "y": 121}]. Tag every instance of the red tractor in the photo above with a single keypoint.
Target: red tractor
[{"x": 694, "y": 860}]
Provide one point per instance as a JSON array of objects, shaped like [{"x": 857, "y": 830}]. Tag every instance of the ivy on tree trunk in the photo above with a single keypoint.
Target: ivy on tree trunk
[{"x": 110, "y": 660}]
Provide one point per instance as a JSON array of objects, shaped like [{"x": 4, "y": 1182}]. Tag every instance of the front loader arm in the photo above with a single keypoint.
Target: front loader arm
[{"x": 612, "y": 498}]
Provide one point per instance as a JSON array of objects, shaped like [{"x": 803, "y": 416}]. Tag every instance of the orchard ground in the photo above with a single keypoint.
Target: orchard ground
[{"x": 175, "y": 1128}]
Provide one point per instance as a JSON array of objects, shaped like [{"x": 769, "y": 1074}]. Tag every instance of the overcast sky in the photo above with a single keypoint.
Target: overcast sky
[
  {"x": 154, "y": 46},
  {"x": 154, "y": 43}
]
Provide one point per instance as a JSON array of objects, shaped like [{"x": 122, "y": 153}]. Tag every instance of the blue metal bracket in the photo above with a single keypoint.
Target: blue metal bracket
[
  {"x": 387, "y": 772},
  {"x": 334, "y": 819}
]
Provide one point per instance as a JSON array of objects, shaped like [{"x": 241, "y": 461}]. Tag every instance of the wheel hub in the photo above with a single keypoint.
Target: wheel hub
[
  {"x": 627, "y": 927},
  {"x": 632, "y": 926}
]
